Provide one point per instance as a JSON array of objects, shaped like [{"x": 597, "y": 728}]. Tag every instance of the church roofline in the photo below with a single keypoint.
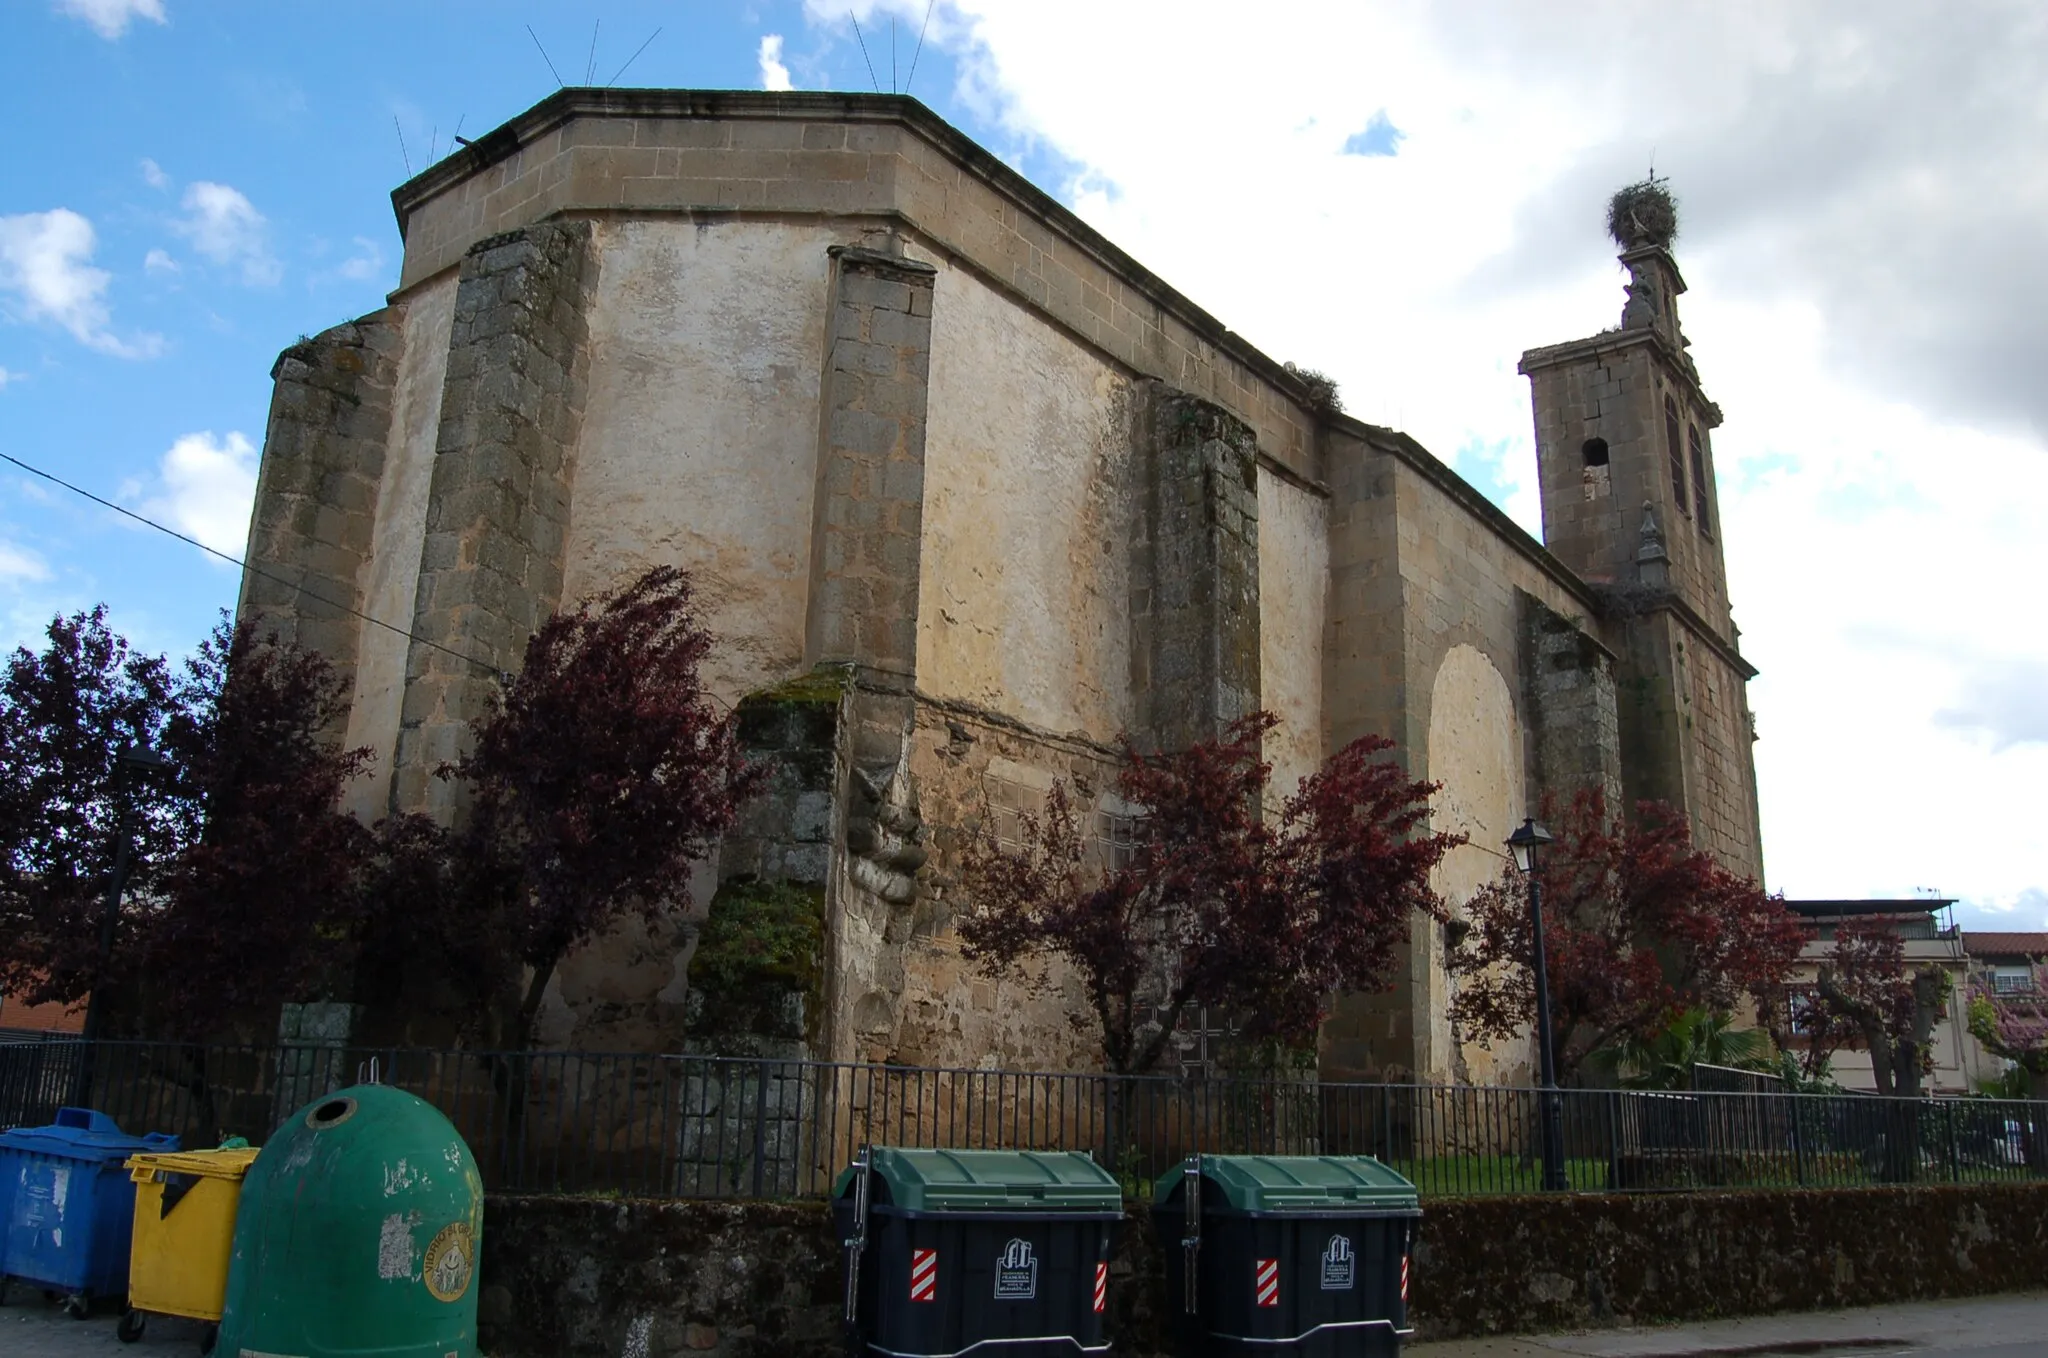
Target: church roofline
[
  {"x": 573, "y": 103},
  {"x": 1445, "y": 478}
]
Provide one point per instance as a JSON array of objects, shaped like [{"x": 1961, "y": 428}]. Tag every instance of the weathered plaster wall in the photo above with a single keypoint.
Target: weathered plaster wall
[
  {"x": 1024, "y": 604},
  {"x": 1294, "y": 584},
  {"x": 392, "y": 572},
  {"x": 1475, "y": 752},
  {"x": 699, "y": 438}
]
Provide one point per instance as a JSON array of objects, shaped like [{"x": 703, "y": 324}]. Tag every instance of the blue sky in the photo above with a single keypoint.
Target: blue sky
[
  {"x": 231, "y": 168},
  {"x": 1402, "y": 196}
]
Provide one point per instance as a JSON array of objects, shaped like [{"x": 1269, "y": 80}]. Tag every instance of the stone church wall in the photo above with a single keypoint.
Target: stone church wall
[
  {"x": 1428, "y": 583},
  {"x": 924, "y": 437}
]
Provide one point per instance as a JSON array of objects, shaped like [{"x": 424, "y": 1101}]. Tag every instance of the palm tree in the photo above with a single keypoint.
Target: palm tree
[{"x": 1693, "y": 1037}]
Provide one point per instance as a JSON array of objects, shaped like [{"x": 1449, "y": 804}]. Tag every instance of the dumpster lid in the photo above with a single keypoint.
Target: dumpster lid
[
  {"x": 220, "y": 1164},
  {"x": 84, "y": 1134},
  {"x": 1299, "y": 1183},
  {"x": 990, "y": 1181}
]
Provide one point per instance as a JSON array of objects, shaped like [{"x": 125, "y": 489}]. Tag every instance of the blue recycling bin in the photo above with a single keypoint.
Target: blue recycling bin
[{"x": 67, "y": 1205}]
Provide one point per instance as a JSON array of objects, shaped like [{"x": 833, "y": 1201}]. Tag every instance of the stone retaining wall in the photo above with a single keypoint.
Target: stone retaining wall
[{"x": 569, "y": 1277}]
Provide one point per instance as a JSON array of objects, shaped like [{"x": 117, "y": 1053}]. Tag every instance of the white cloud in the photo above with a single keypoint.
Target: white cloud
[
  {"x": 225, "y": 226},
  {"x": 159, "y": 261},
  {"x": 112, "y": 17},
  {"x": 774, "y": 75},
  {"x": 365, "y": 264},
  {"x": 1868, "y": 303},
  {"x": 19, "y": 564},
  {"x": 6, "y": 377},
  {"x": 46, "y": 269},
  {"x": 153, "y": 174},
  {"x": 205, "y": 489}
]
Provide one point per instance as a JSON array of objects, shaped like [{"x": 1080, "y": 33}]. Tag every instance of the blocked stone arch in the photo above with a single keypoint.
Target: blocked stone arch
[{"x": 1475, "y": 753}]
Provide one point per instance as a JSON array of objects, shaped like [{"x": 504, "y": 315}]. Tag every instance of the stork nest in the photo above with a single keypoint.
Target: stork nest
[{"x": 1644, "y": 213}]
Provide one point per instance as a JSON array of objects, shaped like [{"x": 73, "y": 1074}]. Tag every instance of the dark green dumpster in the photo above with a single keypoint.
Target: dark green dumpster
[
  {"x": 1296, "y": 1254},
  {"x": 994, "y": 1251}
]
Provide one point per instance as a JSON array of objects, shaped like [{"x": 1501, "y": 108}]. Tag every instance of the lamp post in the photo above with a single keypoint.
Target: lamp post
[
  {"x": 1524, "y": 843},
  {"x": 131, "y": 762}
]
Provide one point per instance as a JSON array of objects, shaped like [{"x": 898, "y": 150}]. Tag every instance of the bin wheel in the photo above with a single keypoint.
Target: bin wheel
[
  {"x": 208, "y": 1337},
  {"x": 130, "y": 1328},
  {"x": 78, "y": 1305}
]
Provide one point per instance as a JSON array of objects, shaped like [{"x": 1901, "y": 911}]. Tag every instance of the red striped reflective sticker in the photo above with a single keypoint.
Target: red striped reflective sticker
[
  {"x": 1268, "y": 1282},
  {"x": 924, "y": 1275},
  {"x": 1101, "y": 1287},
  {"x": 1404, "y": 1277}
]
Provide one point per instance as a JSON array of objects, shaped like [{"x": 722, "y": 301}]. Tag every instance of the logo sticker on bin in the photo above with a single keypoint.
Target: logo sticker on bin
[
  {"x": 1267, "y": 1275},
  {"x": 450, "y": 1261},
  {"x": 1017, "y": 1272},
  {"x": 1101, "y": 1287},
  {"x": 924, "y": 1275},
  {"x": 1340, "y": 1265}
]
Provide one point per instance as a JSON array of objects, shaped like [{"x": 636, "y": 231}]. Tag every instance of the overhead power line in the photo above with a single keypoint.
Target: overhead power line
[{"x": 299, "y": 586}]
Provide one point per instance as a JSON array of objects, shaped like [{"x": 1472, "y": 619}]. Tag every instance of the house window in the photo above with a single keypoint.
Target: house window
[
  {"x": 2012, "y": 980},
  {"x": 1595, "y": 451},
  {"x": 1699, "y": 478},
  {"x": 1676, "y": 450}
]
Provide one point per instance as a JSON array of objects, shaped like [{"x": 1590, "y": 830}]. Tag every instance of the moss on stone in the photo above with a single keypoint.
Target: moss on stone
[
  {"x": 825, "y": 684},
  {"x": 763, "y": 942}
]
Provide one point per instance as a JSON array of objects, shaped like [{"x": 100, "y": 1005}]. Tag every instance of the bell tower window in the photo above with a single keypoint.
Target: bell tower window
[
  {"x": 1699, "y": 478},
  {"x": 1675, "y": 450},
  {"x": 1595, "y": 451}
]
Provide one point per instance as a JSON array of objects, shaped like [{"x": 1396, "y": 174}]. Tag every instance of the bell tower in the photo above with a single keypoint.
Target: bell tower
[{"x": 1625, "y": 464}]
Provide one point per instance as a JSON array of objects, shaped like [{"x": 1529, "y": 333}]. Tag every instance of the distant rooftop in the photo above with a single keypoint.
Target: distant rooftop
[
  {"x": 1990, "y": 943},
  {"x": 1912, "y": 905}
]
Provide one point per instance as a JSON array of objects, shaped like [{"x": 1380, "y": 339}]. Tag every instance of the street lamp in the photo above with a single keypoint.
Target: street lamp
[
  {"x": 1524, "y": 844},
  {"x": 130, "y": 762}
]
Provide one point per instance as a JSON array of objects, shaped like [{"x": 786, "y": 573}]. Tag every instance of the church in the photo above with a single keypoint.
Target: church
[{"x": 968, "y": 493}]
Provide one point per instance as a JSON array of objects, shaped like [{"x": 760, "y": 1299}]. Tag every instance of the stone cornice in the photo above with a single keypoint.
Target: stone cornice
[
  {"x": 1534, "y": 361},
  {"x": 1622, "y": 602}
]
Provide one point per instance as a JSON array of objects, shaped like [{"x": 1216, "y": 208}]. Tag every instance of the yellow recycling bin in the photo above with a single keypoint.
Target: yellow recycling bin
[{"x": 184, "y": 1233}]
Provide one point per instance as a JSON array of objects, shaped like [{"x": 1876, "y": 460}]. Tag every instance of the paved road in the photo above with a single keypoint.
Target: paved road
[
  {"x": 1988, "y": 1327},
  {"x": 32, "y": 1328},
  {"x": 1991, "y": 1327}
]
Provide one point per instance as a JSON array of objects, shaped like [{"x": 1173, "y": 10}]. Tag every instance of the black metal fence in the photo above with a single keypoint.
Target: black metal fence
[{"x": 683, "y": 1126}]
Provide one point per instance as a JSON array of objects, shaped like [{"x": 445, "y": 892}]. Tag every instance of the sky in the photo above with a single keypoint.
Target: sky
[{"x": 1404, "y": 196}]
